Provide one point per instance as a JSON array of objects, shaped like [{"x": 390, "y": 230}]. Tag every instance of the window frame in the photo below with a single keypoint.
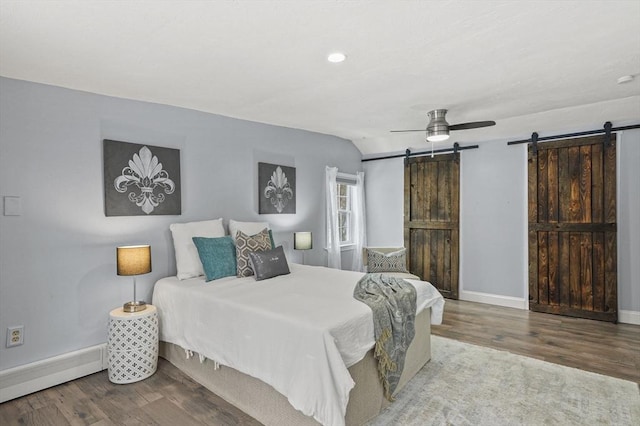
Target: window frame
[{"x": 348, "y": 212}]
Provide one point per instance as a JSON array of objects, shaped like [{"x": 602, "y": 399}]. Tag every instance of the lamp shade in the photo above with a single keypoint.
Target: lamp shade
[
  {"x": 133, "y": 260},
  {"x": 302, "y": 241}
]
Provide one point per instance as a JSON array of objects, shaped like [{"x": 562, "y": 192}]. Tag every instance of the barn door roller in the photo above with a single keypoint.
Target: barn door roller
[
  {"x": 534, "y": 142},
  {"x": 607, "y": 134}
]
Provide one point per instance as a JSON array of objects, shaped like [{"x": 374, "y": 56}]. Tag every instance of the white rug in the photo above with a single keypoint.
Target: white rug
[{"x": 466, "y": 384}]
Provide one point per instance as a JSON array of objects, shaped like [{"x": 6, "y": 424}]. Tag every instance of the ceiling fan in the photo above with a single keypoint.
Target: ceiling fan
[{"x": 438, "y": 129}]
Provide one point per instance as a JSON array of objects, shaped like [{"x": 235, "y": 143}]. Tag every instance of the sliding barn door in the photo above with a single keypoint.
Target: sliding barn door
[
  {"x": 572, "y": 228},
  {"x": 431, "y": 216}
]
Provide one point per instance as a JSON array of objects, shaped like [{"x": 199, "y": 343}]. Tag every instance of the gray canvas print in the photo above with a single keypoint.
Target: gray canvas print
[
  {"x": 276, "y": 189},
  {"x": 141, "y": 179}
]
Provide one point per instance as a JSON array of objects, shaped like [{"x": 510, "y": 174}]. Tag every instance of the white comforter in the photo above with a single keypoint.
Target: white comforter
[{"x": 297, "y": 332}]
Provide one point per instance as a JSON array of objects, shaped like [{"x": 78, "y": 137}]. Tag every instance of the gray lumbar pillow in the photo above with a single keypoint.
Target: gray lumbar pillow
[{"x": 269, "y": 263}]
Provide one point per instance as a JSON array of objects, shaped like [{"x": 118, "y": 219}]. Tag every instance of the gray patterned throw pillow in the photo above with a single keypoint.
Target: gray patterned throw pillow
[
  {"x": 387, "y": 262},
  {"x": 246, "y": 244}
]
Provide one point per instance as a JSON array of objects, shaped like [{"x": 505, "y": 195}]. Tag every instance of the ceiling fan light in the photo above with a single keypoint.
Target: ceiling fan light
[
  {"x": 438, "y": 128},
  {"x": 437, "y": 137}
]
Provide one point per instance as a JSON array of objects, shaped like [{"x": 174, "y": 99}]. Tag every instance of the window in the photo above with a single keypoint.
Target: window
[{"x": 345, "y": 231}]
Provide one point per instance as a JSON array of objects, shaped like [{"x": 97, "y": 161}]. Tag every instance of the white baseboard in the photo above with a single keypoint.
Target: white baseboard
[
  {"x": 629, "y": 317},
  {"x": 494, "y": 299},
  {"x": 29, "y": 378}
]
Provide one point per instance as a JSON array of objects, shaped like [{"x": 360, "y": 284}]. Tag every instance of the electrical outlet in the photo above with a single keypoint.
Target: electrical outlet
[{"x": 15, "y": 336}]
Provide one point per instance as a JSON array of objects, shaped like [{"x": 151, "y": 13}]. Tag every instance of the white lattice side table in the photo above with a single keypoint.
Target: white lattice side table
[{"x": 133, "y": 344}]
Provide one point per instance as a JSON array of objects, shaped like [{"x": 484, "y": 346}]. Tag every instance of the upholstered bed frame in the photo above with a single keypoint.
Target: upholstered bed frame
[{"x": 268, "y": 406}]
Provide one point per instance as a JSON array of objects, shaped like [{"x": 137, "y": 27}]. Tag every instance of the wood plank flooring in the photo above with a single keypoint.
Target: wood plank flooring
[
  {"x": 171, "y": 398},
  {"x": 168, "y": 398},
  {"x": 597, "y": 346}
]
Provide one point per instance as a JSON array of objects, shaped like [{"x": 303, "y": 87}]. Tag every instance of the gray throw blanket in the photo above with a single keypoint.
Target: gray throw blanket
[{"x": 393, "y": 302}]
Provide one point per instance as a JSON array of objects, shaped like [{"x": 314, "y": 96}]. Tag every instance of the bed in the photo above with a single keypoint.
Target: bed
[{"x": 291, "y": 350}]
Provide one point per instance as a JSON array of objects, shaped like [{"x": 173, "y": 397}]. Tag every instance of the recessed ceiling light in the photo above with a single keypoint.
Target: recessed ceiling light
[
  {"x": 625, "y": 79},
  {"x": 336, "y": 57}
]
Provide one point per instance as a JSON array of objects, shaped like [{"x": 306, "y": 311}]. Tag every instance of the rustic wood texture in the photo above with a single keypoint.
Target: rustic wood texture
[
  {"x": 543, "y": 198},
  {"x": 600, "y": 347},
  {"x": 572, "y": 228},
  {"x": 532, "y": 189},
  {"x": 431, "y": 226},
  {"x": 168, "y": 398}
]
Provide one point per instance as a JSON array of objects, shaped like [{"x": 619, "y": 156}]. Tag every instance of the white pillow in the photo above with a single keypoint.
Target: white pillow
[
  {"x": 187, "y": 260},
  {"x": 249, "y": 228}
]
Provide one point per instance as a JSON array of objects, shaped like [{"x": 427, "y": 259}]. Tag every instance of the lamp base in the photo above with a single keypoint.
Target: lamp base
[{"x": 132, "y": 307}]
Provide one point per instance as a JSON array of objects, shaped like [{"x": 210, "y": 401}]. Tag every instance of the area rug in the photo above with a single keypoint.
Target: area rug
[{"x": 465, "y": 384}]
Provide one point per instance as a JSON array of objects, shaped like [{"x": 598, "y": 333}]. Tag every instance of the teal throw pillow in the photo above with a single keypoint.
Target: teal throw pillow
[
  {"x": 218, "y": 256},
  {"x": 273, "y": 245}
]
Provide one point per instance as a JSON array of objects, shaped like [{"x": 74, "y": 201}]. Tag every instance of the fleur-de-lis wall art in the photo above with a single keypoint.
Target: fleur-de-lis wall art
[
  {"x": 145, "y": 172},
  {"x": 276, "y": 189},
  {"x": 141, "y": 179}
]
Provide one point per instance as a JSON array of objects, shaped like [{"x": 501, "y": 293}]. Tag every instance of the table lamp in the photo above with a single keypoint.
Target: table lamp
[
  {"x": 134, "y": 260},
  {"x": 302, "y": 241}
]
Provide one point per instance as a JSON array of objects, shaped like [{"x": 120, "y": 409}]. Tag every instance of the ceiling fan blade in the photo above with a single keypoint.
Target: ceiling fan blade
[
  {"x": 472, "y": 125},
  {"x": 401, "y": 131}
]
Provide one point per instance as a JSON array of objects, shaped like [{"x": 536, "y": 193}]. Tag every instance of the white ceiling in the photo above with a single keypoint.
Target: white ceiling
[{"x": 529, "y": 65}]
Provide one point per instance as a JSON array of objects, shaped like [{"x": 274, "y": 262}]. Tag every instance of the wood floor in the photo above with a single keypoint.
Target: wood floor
[
  {"x": 597, "y": 346},
  {"x": 170, "y": 398}
]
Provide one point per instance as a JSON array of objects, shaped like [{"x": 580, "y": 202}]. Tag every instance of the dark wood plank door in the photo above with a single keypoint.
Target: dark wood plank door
[
  {"x": 572, "y": 228},
  {"x": 431, "y": 220}
]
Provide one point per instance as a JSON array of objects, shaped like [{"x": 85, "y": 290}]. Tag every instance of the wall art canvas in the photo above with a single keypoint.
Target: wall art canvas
[
  {"x": 276, "y": 189},
  {"x": 141, "y": 180}
]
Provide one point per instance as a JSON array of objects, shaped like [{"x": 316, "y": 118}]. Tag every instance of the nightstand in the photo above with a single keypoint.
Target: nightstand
[{"x": 132, "y": 347}]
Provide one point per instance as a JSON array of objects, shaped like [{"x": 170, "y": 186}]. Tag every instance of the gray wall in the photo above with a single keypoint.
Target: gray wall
[
  {"x": 384, "y": 195},
  {"x": 493, "y": 200},
  {"x": 57, "y": 260},
  {"x": 493, "y": 219},
  {"x": 629, "y": 221}
]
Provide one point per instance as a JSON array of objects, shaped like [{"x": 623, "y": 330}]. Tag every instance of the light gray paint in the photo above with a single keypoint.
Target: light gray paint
[
  {"x": 629, "y": 221},
  {"x": 57, "y": 260},
  {"x": 384, "y": 195},
  {"x": 493, "y": 218},
  {"x": 493, "y": 202}
]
